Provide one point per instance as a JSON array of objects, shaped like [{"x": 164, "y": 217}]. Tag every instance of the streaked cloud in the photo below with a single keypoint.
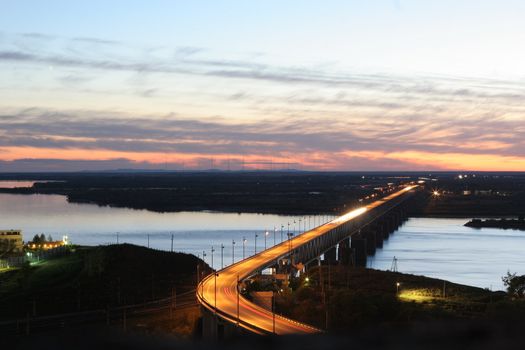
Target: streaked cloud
[{"x": 189, "y": 105}]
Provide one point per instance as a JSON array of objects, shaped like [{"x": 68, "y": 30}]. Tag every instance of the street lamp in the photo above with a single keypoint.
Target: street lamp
[
  {"x": 273, "y": 311},
  {"x": 243, "y": 246},
  {"x": 282, "y": 227},
  {"x": 222, "y": 256},
  {"x": 238, "y": 302},
  {"x": 265, "y": 235},
  {"x": 212, "y": 250},
  {"x": 233, "y": 251},
  {"x": 290, "y": 235},
  {"x": 300, "y": 224},
  {"x": 215, "y": 293},
  {"x": 397, "y": 287},
  {"x": 274, "y": 232},
  {"x": 255, "y": 244}
]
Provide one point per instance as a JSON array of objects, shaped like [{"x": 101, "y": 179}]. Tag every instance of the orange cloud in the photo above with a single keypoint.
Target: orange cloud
[{"x": 349, "y": 160}]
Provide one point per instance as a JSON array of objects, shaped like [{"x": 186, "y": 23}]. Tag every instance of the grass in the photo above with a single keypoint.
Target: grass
[
  {"x": 356, "y": 298},
  {"x": 95, "y": 278}
]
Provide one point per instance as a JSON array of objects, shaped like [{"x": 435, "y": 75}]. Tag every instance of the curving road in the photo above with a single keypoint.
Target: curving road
[{"x": 218, "y": 292}]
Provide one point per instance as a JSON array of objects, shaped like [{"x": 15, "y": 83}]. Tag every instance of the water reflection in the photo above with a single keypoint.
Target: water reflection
[
  {"x": 193, "y": 232},
  {"x": 444, "y": 248}
]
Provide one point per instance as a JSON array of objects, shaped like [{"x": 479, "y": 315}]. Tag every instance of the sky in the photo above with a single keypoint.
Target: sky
[{"x": 274, "y": 84}]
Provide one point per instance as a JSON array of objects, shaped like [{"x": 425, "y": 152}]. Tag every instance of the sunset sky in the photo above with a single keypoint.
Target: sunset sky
[{"x": 312, "y": 85}]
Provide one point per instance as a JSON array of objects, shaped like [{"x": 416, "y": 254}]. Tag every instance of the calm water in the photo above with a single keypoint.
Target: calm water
[
  {"x": 88, "y": 224},
  {"x": 444, "y": 248}
]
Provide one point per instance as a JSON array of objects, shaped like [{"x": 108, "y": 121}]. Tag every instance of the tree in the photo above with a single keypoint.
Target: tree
[
  {"x": 42, "y": 238},
  {"x": 515, "y": 284},
  {"x": 49, "y": 238},
  {"x": 36, "y": 239}
]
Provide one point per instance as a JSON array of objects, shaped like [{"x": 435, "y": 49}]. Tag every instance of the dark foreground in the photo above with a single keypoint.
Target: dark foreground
[
  {"x": 444, "y": 335},
  {"x": 365, "y": 309}
]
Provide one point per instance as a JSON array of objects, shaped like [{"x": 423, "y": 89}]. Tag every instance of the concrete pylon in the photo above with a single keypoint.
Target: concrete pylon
[
  {"x": 344, "y": 252},
  {"x": 359, "y": 247},
  {"x": 370, "y": 237},
  {"x": 330, "y": 256},
  {"x": 379, "y": 237}
]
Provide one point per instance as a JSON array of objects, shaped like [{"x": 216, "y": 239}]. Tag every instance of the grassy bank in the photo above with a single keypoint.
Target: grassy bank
[
  {"x": 95, "y": 278},
  {"x": 339, "y": 298}
]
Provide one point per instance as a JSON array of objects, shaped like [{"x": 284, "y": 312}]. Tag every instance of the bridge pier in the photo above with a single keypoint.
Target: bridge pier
[
  {"x": 312, "y": 264},
  {"x": 359, "y": 247},
  {"x": 330, "y": 256},
  {"x": 370, "y": 237},
  {"x": 344, "y": 252},
  {"x": 379, "y": 237}
]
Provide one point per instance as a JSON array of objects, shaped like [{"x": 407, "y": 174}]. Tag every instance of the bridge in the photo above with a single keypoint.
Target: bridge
[{"x": 348, "y": 238}]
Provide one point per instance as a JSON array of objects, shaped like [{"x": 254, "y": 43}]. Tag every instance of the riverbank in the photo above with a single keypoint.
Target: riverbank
[
  {"x": 107, "y": 280},
  {"x": 341, "y": 299},
  {"x": 284, "y": 193},
  {"x": 503, "y": 223}
]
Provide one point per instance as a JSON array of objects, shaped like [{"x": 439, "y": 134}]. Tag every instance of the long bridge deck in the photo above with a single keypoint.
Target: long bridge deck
[{"x": 218, "y": 292}]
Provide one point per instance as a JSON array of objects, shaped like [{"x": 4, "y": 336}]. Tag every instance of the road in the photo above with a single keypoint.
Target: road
[{"x": 218, "y": 292}]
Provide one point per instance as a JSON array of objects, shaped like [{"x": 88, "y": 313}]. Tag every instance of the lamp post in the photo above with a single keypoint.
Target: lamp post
[
  {"x": 117, "y": 237},
  {"x": 238, "y": 302},
  {"x": 233, "y": 251},
  {"x": 397, "y": 287},
  {"x": 265, "y": 236},
  {"x": 255, "y": 244},
  {"x": 148, "y": 240},
  {"x": 273, "y": 311},
  {"x": 290, "y": 235},
  {"x": 215, "y": 293},
  {"x": 222, "y": 256},
  {"x": 243, "y": 247},
  {"x": 172, "y": 242},
  {"x": 274, "y": 232},
  {"x": 212, "y": 250},
  {"x": 282, "y": 227},
  {"x": 299, "y": 224}
]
